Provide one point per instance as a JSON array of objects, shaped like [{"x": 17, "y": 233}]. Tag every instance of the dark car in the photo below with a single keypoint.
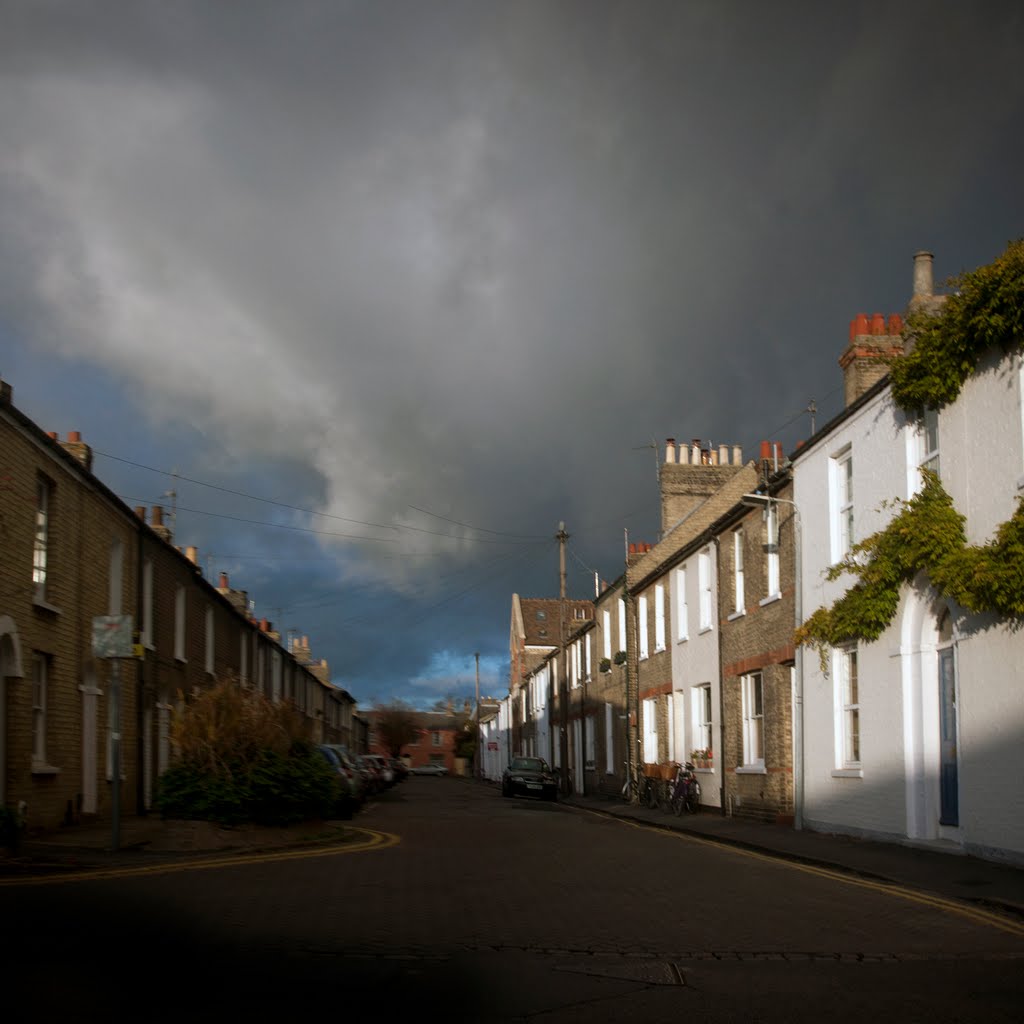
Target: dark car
[
  {"x": 529, "y": 776},
  {"x": 346, "y": 803}
]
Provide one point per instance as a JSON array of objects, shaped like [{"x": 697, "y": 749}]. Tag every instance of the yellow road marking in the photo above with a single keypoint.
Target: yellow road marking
[
  {"x": 374, "y": 841},
  {"x": 976, "y": 914}
]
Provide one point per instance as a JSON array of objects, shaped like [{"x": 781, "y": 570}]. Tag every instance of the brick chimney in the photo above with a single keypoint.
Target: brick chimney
[
  {"x": 162, "y": 531},
  {"x": 75, "y": 446},
  {"x": 874, "y": 341},
  {"x": 694, "y": 473}
]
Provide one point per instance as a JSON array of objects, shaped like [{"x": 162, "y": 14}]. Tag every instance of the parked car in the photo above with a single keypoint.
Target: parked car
[
  {"x": 400, "y": 768},
  {"x": 346, "y": 804},
  {"x": 429, "y": 769},
  {"x": 529, "y": 776},
  {"x": 375, "y": 780},
  {"x": 356, "y": 777},
  {"x": 387, "y": 773}
]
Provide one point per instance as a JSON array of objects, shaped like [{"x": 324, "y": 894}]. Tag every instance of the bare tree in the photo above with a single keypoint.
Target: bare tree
[{"x": 396, "y": 724}]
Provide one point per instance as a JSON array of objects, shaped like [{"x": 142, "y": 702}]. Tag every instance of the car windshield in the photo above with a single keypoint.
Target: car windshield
[{"x": 529, "y": 764}]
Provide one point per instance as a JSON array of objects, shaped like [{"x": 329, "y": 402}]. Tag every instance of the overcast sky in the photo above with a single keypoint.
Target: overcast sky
[{"x": 432, "y": 276}]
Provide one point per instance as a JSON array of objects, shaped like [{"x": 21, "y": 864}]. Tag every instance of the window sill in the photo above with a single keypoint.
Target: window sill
[
  {"x": 704, "y": 771},
  {"x": 751, "y": 769},
  {"x": 847, "y": 773},
  {"x": 770, "y": 599},
  {"x": 737, "y": 615},
  {"x": 39, "y": 768},
  {"x": 683, "y": 639},
  {"x": 643, "y": 657},
  {"x": 705, "y": 629},
  {"x": 658, "y": 650},
  {"x": 45, "y": 606},
  {"x": 180, "y": 660}
]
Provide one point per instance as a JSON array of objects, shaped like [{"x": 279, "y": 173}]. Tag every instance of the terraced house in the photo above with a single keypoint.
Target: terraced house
[{"x": 73, "y": 553}]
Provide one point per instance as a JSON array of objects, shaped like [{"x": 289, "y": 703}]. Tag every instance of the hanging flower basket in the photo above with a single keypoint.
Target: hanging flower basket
[
  {"x": 620, "y": 657},
  {"x": 606, "y": 665}
]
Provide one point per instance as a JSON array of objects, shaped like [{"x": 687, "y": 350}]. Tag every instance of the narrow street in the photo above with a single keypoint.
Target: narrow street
[{"x": 488, "y": 909}]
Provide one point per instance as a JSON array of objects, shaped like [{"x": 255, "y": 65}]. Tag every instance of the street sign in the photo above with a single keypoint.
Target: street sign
[{"x": 112, "y": 636}]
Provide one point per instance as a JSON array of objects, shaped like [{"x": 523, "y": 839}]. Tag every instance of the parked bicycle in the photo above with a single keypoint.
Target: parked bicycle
[{"x": 685, "y": 790}]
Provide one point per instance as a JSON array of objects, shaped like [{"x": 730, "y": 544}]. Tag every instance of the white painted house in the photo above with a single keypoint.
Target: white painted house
[{"x": 915, "y": 737}]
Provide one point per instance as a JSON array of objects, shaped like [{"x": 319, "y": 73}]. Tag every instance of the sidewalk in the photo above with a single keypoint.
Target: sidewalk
[{"x": 959, "y": 877}]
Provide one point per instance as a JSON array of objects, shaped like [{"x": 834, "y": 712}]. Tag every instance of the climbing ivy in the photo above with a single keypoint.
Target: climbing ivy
[
  {"x": 926, "y": 535},
  {"x": 984, "y": 310}
]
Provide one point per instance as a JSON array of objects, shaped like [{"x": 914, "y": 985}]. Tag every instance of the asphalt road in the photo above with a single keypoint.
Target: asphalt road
[{"x": 470, "y": 907}]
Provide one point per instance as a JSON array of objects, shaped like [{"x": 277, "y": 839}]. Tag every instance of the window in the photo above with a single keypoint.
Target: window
[
  {"x": 682, "y": 623},
  {"x": 737, "y": 567},
  {"x": 643, "y": 642},
  {"x": 771, "y": 521},
  {"x": 275, "y": 676},
  {"x": 848, "y": 708},
  {"x": 435, "y": 738},
  {"x": 179, "y": 624},
  {"x": 40, "y": 682},
  {"x": 588, "y": 663},
  {"x": 650, "y": 732},
  {"x": 208, "y": 654},
  {"x": 243, "y": 661},
  {"x": 659, "y": 617},
  {"x": 41, "y": 545},
  {"x": 115, "y": 572},
  {"x": 606, "y": 634},
  {"x": 753, "y": 720},
  {"x": 574, "y": 655},
  {"x": 622, "y": 624},
  {"x": 704, "y": 581},
  {"x": 588, "y": 742},
  {"x": 541, "y": 615},
  {"x": 147, "y": 604},
  {"x": 609, "y": 745},
  {"x": 700, "y": 698},
  {"x": 842, "y": 478},
  {"x": 928, "y": 440}
]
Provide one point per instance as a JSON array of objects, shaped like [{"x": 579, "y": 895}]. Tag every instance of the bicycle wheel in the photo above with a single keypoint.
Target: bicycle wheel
[
  {"x": 693, "y": 797},
  {"x": 652, "y": 794},
  {"x": 678, "y": 804}
]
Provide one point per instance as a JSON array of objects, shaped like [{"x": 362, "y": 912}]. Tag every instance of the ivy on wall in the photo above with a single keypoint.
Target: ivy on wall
[
  {"x": 927, "y": 534},
  {"x": 984, "y": 310}
]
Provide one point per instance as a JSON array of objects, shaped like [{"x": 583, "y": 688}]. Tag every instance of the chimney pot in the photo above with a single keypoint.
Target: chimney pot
[
  {"x": 766, "y": 450},
  {"x": 923, "y": 282},
  {"x": 53, "y": 435},
  {"x": 878, "y": 324},
  {"x": 158, "y": 515},
  {"x": 895, "y": 324},
  {"x": 737, "y": 455},
  {"x": 670, "y": 450},
  {"x": 140, "y": 511},
  {"x": 860, "y": 322},
  {"x": 224, "y": 581},
  {"x": 75, "y": 436}
]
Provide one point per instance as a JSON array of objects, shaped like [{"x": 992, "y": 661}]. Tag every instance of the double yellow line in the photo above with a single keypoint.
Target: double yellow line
[
  {"x": 373, "y": 841},
  {"x": 977, "y": 914}
]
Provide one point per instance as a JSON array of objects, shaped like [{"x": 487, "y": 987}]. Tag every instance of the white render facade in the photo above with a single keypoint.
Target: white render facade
[{"x": 916, "y": 736}]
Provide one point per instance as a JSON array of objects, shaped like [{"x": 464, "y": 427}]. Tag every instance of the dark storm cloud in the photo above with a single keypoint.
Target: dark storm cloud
[{"x": 471, "y": 257}]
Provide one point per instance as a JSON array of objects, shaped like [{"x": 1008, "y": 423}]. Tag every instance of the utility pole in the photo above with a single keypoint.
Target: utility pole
[
  {"x": 477, "y": 755},
  {"x": 563, "y": 738}
]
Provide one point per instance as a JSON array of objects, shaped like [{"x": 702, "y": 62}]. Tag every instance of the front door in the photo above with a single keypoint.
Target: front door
[{"x": 949, "y": 802}]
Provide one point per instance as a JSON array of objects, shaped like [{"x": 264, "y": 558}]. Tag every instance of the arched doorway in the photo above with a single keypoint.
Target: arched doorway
[{"x": 10, "y": 668}]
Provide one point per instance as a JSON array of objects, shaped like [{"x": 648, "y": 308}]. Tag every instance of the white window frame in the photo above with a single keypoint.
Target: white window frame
[
  {"x": 704, "y": 582},
  {"x": 147, "y": 603},
  {"x": 609, "y": 740},
  {"x": 606, "y": 634},
  {"x": 115, "y": 577},
  {"x": 588, "y": 669},
  {"x": 701, "y": 717},
  {"x": 847, "y": 703},
  {"x": 622, "y": 624},
  {"x": 752, "y": 696},
  {"x": 179, "y": 623},
  {"x": 928, "y": 440},
  {"x": 682, "y": 614},
  {"x": 659, "y": 617},
  {"x": 773, "y": 576},
  {"x": 650, "y": 740},
  {"x": 40, "y": 686},
  {"x": 842, "y": 504},
  {"x": 208, "y": 649},
  {"x": 643, "y": 643},
  {"x": 589, "y": 742},
  {"x": 435, "y": 737},
  {"x": 739, "y": 606},
  {"x": 41, "y": 543}
]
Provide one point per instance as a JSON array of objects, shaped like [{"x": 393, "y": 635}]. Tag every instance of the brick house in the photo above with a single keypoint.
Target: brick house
[
  {"x": 675, "y": 693},
  {"x": 436, "y": 740},
  {"x": 756, "y": 602},
  {"x": 74, "y": 551}
]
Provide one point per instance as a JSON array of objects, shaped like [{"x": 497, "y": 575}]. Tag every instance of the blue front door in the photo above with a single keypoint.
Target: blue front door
[{"x": 949, "y": 795}]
